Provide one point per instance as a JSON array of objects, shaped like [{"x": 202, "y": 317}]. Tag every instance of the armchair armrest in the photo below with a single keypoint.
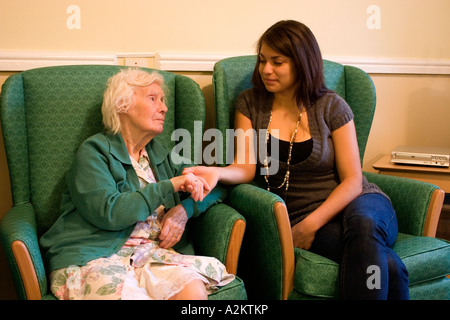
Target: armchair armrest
[
  {"x": 218, "y": 233},
  {"x": 417, "y": 204},
  {"x": 267, "y": 251},
  {"x": 19, "y": 239}
]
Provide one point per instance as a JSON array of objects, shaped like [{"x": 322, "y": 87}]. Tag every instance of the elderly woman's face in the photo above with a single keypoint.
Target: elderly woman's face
[{"x": 148, "y": 112}]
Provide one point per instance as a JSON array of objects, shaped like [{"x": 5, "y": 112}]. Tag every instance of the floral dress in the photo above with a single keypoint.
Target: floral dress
[{"x": 140, "y": 269}]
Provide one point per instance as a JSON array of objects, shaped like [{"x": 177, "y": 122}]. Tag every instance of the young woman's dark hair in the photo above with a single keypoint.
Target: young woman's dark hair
[{"x": 296, "y": 41}]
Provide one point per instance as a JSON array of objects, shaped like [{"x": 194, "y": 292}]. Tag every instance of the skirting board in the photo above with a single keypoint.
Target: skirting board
[{"x": 20, "y": 61}]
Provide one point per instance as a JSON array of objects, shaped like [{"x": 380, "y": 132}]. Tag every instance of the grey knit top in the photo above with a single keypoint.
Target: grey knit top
[{"x": 312, "y": 180}]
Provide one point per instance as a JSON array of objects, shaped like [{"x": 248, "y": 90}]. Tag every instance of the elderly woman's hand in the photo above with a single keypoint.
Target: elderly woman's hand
[
  {"x": 173, "y": 224},
  {"x": 209, "y": 174},
  {"x": 196, "y": 186}
]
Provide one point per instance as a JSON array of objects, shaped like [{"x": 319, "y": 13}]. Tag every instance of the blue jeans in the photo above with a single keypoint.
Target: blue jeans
[{"x": 359, "y": 239}]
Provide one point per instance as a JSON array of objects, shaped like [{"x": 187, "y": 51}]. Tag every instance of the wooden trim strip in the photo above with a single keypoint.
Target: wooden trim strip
[
  {"x": 205, "y": 62},
  {"x": 26, "y": 269},
  {"x": 433, "y": 213},
  {"x": 201, "y": 62},
  {"x": 287, "y": 248},
  {"x": 234, "y": 246}
]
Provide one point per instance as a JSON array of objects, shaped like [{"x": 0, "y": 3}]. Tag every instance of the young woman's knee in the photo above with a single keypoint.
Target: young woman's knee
[{"x": 368, "y": 216}]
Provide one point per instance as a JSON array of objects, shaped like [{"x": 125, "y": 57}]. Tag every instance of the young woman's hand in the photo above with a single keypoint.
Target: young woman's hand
[
  {"x": 209, "y": 174},
  {"x": 196, "y": 186},
  {"x": 303, "y": 233}
]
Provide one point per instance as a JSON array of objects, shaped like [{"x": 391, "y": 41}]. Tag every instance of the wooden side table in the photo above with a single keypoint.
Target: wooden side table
[{"x": 439, "y": 176}]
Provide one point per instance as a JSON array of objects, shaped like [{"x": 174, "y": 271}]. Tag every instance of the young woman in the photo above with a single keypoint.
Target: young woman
[{"x": 333, "y": 209}]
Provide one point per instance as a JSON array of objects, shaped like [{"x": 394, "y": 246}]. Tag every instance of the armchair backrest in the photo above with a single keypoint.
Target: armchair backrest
[
  {"x": 46, "y": 113},
  {"x": 233, "y": 75}
]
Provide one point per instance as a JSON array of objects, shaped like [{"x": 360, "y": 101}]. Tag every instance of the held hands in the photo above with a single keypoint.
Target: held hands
[
  {"x": 195, "y": 185},
  {"x": 208, "y": 174},
  {"x": 174, "y": 221}
]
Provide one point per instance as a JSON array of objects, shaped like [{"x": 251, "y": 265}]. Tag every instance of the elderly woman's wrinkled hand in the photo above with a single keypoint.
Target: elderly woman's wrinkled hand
[
  {"x": 195, "y": 185},
  {"x": 173, "y": 224},
  {"x": 208, "y": 174}
]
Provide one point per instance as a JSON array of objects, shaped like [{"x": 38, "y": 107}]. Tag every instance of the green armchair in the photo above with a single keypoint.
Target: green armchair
[
  {"x": 46, "y": 113},
  {"x": 269, "y": 264}
]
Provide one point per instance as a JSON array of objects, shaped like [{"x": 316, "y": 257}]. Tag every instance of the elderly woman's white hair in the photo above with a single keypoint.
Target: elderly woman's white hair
[{"x": 119, "y": 94}]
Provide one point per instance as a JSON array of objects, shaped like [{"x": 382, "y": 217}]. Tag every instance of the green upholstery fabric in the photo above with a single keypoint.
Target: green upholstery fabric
[
  {"x": 232, "y": 291},
  {"x": 409, "y": 197},
  {"x": 46, "y": 113},
  {"x": 261, "y": 241},
  {"x": 426, "y": 259},
  {"x": 317, "y": 277}
]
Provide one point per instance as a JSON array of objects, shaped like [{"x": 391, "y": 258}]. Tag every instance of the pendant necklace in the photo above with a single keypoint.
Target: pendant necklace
[{"x": 291, "y": 144}]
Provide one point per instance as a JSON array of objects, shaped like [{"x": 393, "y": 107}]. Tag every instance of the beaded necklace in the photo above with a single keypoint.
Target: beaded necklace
[{"x": 291, "y": 144}]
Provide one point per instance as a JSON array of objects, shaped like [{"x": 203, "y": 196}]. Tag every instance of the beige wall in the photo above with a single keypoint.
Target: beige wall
[
  {"x": 412, "y": 108},
  {"x": 408, "y": 28}
]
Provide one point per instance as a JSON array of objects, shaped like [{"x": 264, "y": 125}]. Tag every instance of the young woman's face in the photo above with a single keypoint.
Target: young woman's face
[{"x": 277, "y": 72}]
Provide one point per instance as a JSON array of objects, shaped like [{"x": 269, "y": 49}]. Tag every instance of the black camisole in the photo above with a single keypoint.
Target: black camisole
[{"x": 300, "y": 150}]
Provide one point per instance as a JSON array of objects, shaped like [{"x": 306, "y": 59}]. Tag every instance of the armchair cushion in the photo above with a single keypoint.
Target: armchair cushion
[
  {"x": 426, "y": 259},
  {"x": 235, "y": 290},
  {"x": 315, "y": 276}
]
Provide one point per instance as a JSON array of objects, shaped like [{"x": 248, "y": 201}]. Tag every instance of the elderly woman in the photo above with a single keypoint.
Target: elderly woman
[{"x": 123, "y": 210}]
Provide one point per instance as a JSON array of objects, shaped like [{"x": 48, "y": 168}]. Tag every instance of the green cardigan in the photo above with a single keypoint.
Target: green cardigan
[{"x": 103, "y": 201}]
